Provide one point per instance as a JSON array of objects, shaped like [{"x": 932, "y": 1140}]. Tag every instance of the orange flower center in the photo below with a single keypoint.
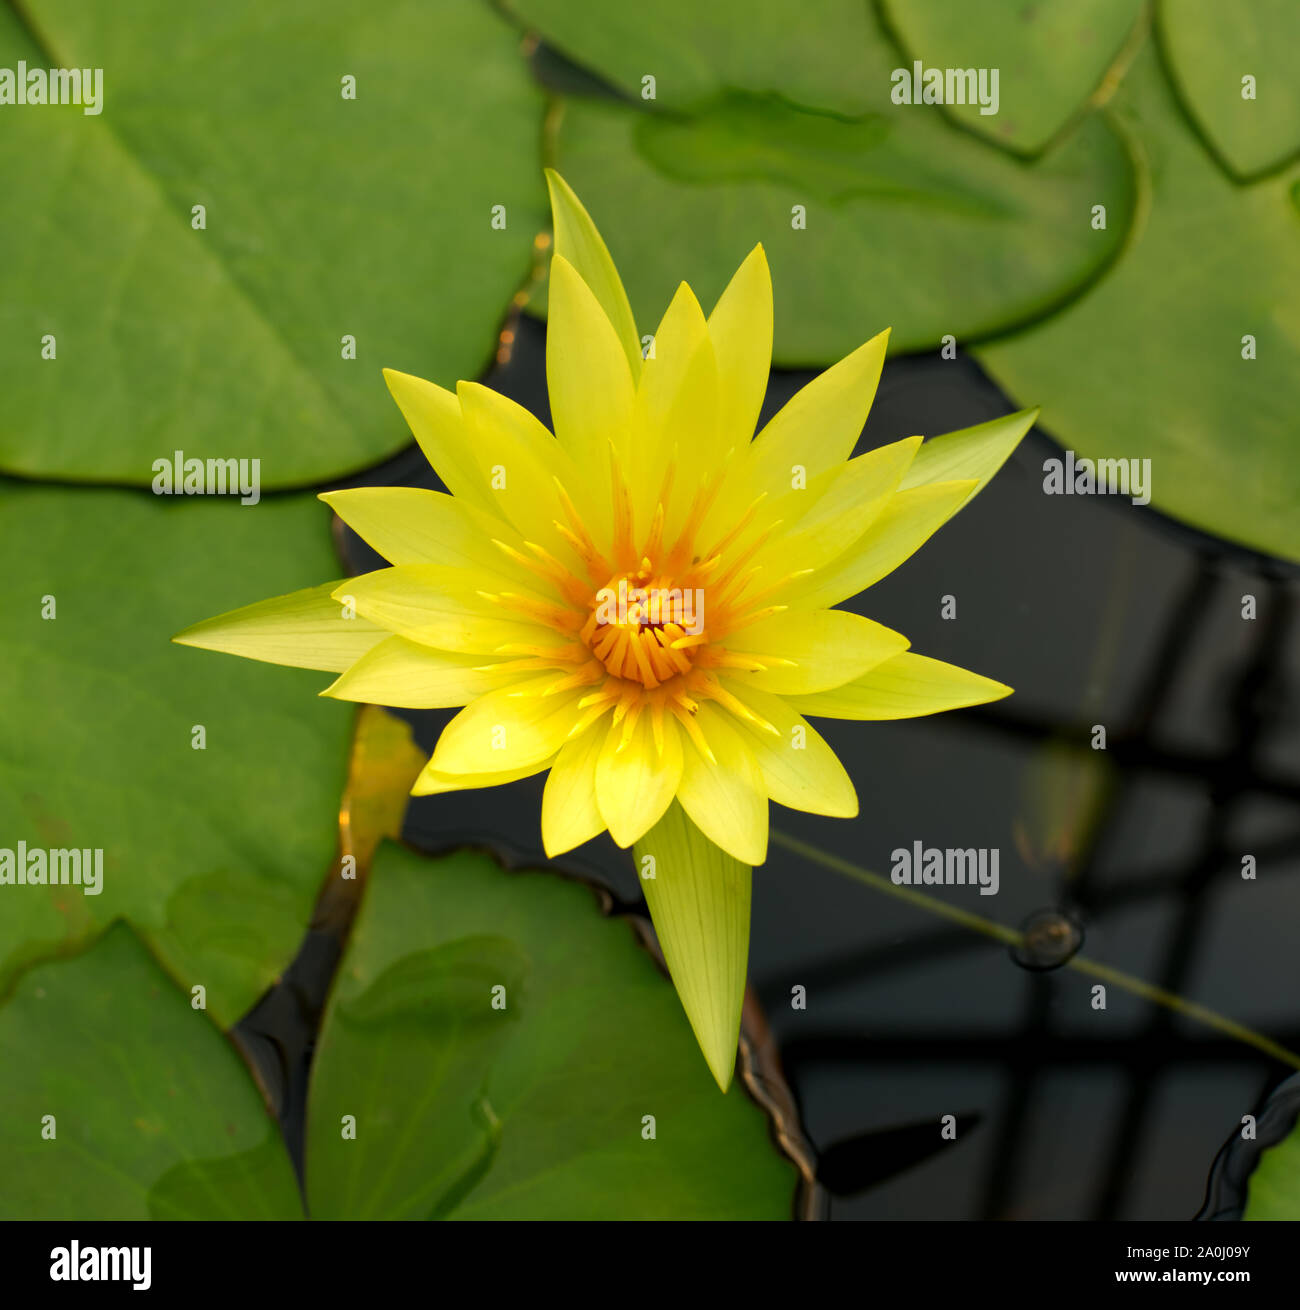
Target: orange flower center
[{"x": 644, "y": 628}]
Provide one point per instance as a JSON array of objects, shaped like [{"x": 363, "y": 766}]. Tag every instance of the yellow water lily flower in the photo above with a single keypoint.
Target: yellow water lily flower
[{"x": 644, "y": 603}]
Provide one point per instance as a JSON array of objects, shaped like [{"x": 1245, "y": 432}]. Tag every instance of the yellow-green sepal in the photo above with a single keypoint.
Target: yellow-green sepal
[
  {"x": 307, "y": 629},
  {"x": 976, "y": 453},
  {"x": 578, "y": 240},
  {"x": 699, "y": 901}
]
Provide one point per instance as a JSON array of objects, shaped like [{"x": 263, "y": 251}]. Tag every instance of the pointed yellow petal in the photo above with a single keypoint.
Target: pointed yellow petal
[
  {"x": 675, "y": 414},
  {"x": 578, "y": 241},
  {"x": 434, "y": 416},
  {"x": 408, "y": 525},
  {"x": 699, "y": 901},
  {"x": 587, "y": 375},
  {"x": 305, "y": 629},
  {"x": 820, "y": 424},
  {"x": 432, "y": 783},
  {"x": 902, "y": 688},
  {"x": 741, "y": 329},
  {"x": 410, "y": 676},
  {"x": 816, "y": 429},
  {"x": 635, "y": 782},
  {"x": 518, "y": 462},
  {"x": 858, "y": 493},
  {"x": 909, "y": 520},
  {"x": 507, "y": 729},
  {"x": 441, "y": 607},
  {"x": 976, "y": 452},
  {"x": 570, "y": 815},
  {"x": 799, "y": 769},
  {"x": 725, "y": 799},
  {"x": 824, "y": 648}
]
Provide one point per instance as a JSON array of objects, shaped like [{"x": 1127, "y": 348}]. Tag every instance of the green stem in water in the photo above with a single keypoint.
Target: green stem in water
[{"x": 1013, "y": 937}]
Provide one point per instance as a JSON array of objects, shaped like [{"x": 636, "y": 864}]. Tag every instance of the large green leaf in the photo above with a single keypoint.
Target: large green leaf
[
  {"x": 325, "y": 217},
  {"x": 534, "y": 1110},
  {"x": 1273, "y": 1190},
  {"x": 910, "y": 223},
  {"x": 1050, "y": 56},
  {"x": 1212, "y": 49},
  {"x": 1149, "y": 364},
  {"x": 153, "y": 1114},
  {"x": 694, "y": 51},
  {"x": 214, "y": 854}
]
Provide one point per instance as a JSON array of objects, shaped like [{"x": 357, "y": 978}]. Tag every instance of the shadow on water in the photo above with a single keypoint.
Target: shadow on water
[{"x": 1102, "y": 616}]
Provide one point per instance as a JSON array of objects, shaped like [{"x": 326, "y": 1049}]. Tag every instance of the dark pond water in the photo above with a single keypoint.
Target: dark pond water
[{"x": 1098, "y": 613}]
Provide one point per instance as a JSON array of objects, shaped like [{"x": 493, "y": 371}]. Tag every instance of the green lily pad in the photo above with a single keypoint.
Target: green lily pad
[
  {"x": 910, "y": 223},
  {"x": 369, "y": 218},
  {"x": 153, "y": 1115},
  {"x": 694, "y": 52},
  {"x": 542, "y": 1108},
  {"x": 1050, "y": 57},
  {"x": 1212, "y": 49},
  {"x": 1273, "y": 1189},
  {"x": 1149, "y": 364},
  {"x": 215, "y": 855}
]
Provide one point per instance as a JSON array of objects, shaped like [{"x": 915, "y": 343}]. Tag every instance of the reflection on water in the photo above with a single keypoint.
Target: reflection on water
[{"x": 1102, "y": 616}]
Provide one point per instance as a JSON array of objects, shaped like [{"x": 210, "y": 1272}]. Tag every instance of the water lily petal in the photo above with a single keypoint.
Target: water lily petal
[
  {"x": 977, "y": 452},
  {"x": 304, "y": 629},
  {"x": 674, "y": 415},
  {"x": 858, "y": 492},
  {"x": 578, "y": 241},
  {"x": 699, "y": 901},
  {"x": 635, "y": 780},
  {"x": 442, "y": 607},
  {"x": 409, "y": 525},
  {"x": 434, "y": 416},
  {"x": 519, "y": 462},
  {"x": 588, "y": 378},
  {"x": 820, "y": 424},
  {"x": 507, "y": 729},
  {"x": 725, "y": 796},
  {"x": 741, "y": 330},
  {"x": 902, "y": 688},
  {"x": 570, "y": 814},
  {"x": 909, "y": 520},
  {"x": 811, "y": 650},
  {"x": 432, "y": 782},
  {"x": 408, "y": 675},
  {"x": 799, "y": 769},
  {"x": 816, "y": 429}
]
